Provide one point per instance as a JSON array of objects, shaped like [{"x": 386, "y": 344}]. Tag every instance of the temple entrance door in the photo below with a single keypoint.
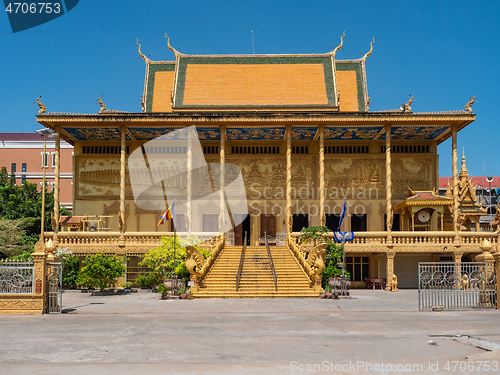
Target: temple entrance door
[
  {"x": 239, "y": 231},
  {"x": 299, "y": 221},
  {"x": 267, "y": 225}
]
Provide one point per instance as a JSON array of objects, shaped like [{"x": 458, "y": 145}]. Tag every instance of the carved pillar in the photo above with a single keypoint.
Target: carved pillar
[
  {"x": 374, "y": 266},
  {"x": 389, "y": 269},
  {"x": 457, "y": 256},
  {"x": 222, "y": 179},
  {"x": 288, "y": 180},
  {"x": 388, "y": 184},
  {"x": 189, "y": 181},
  {"x": 456, "y": 240},
  {"x": 477, "y": 224},
  {"x": 121, "y": 214},
  {"x": 322, "y": 217},
  {"x": 55, "y": 224},
  {"x": 40, "y": 273}
]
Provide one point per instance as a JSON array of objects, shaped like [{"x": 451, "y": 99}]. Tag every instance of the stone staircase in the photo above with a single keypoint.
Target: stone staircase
[{"x": 256, "y": 277}]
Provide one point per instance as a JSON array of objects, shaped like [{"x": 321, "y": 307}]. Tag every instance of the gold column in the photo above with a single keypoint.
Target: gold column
[
  {"x": 189, "y": 182},
  {"x": 121, "y": 214},
  {"x": 288, "y": 180},
  {"x": 57, "y": 177},
  {"x": 322, "y": 217},
  {"x": 456, "y": 240},
  {"x": 222, "y": 178},
  {"x": 388, "y": 183},
  {"x": 389, "y": 269}
]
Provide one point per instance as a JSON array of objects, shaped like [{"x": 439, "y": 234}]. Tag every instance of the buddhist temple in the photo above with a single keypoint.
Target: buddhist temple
[{"x": 299, "y": 129}]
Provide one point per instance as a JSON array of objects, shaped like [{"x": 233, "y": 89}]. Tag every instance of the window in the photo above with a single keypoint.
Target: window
[
  {"x": 52, "y": 186},
  {"x": 46, "y": 161},
  {"x": 24, "y": 167},
  {"x": 53, "y": 159},
  {"x": 358, "y": 223},
  {"x": 23, "y": 180},
  {"x": 13, "y": 168},
  {"x": 358, "y": 267}
]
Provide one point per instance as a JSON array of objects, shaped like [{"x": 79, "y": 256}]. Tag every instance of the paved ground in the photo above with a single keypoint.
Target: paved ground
[{"x": 140, "y": 334}]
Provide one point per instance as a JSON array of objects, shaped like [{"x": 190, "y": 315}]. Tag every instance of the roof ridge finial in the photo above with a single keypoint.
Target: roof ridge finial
[
  {"x": 103, "y": 106},
  {"x": 468, "y": 106},
  {"x": 370, "y": 51},
  {"x": 177, "y": 54},
  {"x": 146, "y": 60},
  {"x": 42, "y": 107},
  {"x": 339, "y": 46}
]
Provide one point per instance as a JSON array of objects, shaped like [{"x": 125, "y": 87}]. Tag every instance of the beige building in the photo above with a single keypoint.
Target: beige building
[{"x": 22, "y": 154}]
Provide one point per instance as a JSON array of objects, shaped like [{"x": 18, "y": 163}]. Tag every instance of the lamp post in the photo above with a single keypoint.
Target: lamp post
[{"x": 45, "y": 133}]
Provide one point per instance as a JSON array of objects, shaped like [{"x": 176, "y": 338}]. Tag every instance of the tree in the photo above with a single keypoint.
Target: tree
[
  {"x": 101, "y": 271},
  {"x": 11, "y": 235},
  {"x": 24, "y": 203},
  {"x": 160, "y": 260}
]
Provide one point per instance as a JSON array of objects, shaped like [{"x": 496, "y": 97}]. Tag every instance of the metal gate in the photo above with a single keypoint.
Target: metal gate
[
  {"x": 456, "y": 286},
  {"x": 54, "y": 287}
]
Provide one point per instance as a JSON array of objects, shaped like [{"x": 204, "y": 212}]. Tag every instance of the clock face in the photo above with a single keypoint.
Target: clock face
[{"x": 423, "y": 216}]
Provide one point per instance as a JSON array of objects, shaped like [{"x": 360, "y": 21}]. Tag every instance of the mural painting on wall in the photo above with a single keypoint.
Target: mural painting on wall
[{"x": 343, "y": 174}]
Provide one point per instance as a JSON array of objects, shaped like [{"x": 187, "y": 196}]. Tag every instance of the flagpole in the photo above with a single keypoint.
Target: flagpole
[
  {"x": 175, "y": 275},
  {"x": 343, "y": 247}
]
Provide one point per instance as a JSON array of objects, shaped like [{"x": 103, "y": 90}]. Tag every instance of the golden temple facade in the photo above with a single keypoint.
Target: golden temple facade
[{"x": 300, "y": 130}]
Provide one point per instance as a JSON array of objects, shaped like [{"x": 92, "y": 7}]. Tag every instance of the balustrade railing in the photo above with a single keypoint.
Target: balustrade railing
[
  {"x": 271, "y": 263},
  {"x": 240, "y": 267}
]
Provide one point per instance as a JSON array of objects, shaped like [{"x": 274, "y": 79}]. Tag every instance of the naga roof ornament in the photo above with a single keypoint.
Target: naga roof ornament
[
  {"x": 370, "y": 51},
  {"x": 339, "y": 46},
  {"x": 42, "y": 107},
  {"x": 146, "y": 60},
  {"x": 176, "y": 53},
  {"x": 468, "y": 106}
]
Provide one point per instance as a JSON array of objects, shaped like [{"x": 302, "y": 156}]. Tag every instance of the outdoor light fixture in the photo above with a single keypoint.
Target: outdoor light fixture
[{"x": 45, "y": 133}]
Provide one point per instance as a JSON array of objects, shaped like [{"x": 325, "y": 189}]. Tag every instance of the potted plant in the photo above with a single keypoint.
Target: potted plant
[
  {"x": 163, "y": 290},
  {"x": 127, "y": 286},
  {"x": 183, "y": 291},
  {"x": 328, "y": 291}
]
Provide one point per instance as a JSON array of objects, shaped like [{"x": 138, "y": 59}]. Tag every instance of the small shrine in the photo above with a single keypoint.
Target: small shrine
[
  {"x": 419, "y": 209},
  {"x": 470, "y": 209}
]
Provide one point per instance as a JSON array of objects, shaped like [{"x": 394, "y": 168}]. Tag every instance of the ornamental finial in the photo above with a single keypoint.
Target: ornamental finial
[
  {"x": 340, "y": 45},
  {"x": 170, "y": 47},
  {"x": 140, "y": 53},
  {"x": 103, "y": 106},
  {"x": 468, "y": 106},
  {"x": 370, "y": 51},
  {"x": 406, "y": 107},
  {"x": 42, "y": 107}
]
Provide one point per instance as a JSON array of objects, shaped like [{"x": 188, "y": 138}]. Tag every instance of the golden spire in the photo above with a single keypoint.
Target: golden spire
[
  {"x": 463, "y": 169},
  {"x": 340, "y": 45},
  {"x": 448, "y": 190},
  {"x": 146, "y": 60},
  {"x": 370, "y": 51},
  {"x": 177, "y": 54}
]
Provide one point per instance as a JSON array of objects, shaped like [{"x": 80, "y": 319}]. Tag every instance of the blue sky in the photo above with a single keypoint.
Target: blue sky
[{"x": 442, "y": 52}]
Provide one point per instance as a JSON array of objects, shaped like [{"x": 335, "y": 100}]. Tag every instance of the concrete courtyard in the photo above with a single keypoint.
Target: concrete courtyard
[{"x": 374, "y": 332}]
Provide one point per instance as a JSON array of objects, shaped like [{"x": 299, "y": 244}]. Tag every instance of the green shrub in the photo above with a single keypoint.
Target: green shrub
[{"x": 101, "y": 271}]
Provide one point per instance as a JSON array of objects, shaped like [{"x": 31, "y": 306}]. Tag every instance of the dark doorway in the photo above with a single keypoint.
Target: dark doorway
[
  {"x": 300, "y": 221},
  {"x": 267, "y": 225},
  {"x": 396, "y": 222},
  {"x": 358, "y": 223},
  {"x": 239, "y": 231},
  {"x": 332, "y": 222}
]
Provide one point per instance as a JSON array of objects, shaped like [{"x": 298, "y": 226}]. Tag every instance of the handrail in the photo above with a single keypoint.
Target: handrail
[
  {"x": 240, "y": 268},
  {"x": 271, "y": 262}
]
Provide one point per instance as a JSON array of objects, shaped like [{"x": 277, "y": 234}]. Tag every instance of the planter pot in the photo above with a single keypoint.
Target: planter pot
[
  {"x": 322, "y": 296},
  {"x": 328, "y": 295},
  {"x": 184, "y": 296}
]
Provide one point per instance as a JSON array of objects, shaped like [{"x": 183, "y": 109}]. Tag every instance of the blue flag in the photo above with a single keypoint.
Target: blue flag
[{"x": 342, "y": 215}]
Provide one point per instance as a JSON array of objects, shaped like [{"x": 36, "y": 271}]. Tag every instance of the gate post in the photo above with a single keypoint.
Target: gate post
[
  {"x": 496, "y": 256},
  {"x": 40, "y": 273}
]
